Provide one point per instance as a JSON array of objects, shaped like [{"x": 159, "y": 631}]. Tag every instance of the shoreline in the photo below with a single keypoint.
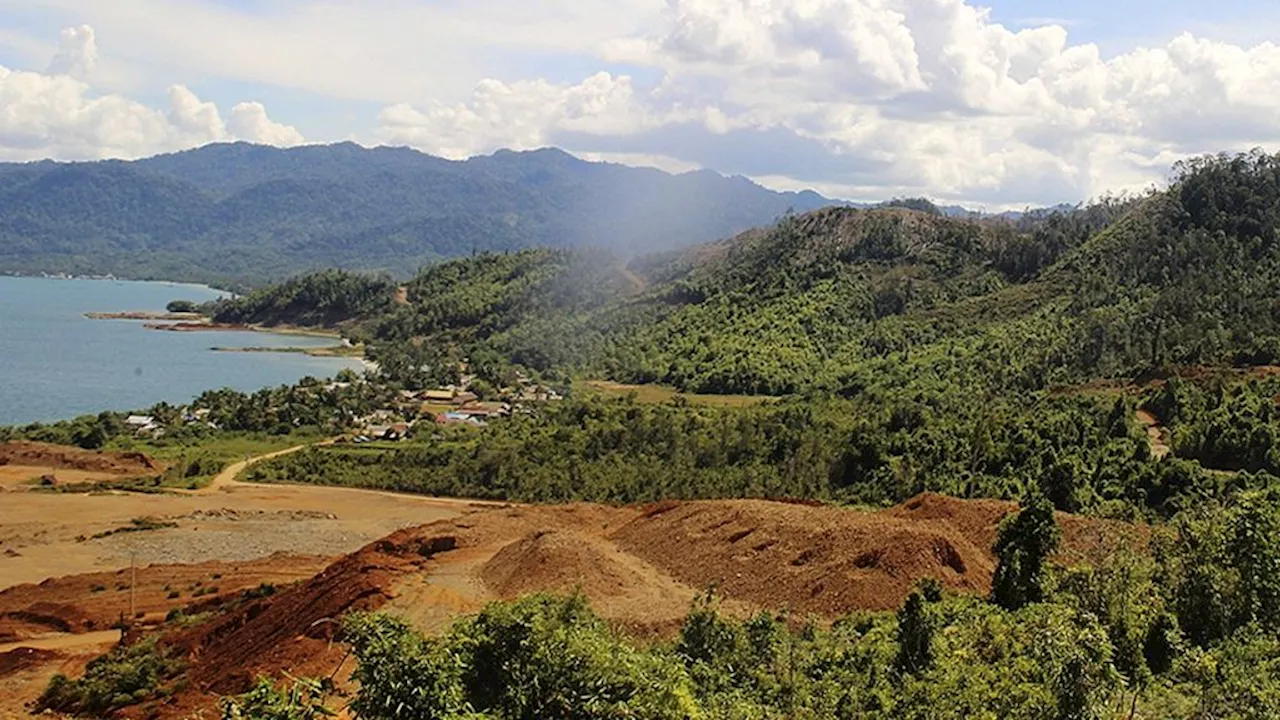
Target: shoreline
[
  {"x": 332, "y": 351},
  {"x": 195, "y": 322},
  {"x": 143, "y": 315}
]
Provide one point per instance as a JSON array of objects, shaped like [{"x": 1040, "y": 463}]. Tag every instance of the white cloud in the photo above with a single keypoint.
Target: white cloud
[
  {"x": 249, "y": 122},
  {"x": 887, "y": 97},
  {"x": 872, "y": 97},
  {"x": 519, "y": 116},
  {"x": 77, "y": 53},
  {"x": 58, "y": 114}
]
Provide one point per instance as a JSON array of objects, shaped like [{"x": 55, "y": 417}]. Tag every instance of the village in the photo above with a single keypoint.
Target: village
[
  {"x": 464, "y": 403},
  {"x": 454, "y": 404}
]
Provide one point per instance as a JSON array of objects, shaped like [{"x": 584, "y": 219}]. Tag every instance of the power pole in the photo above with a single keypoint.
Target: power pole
[{"x": 133, "y": 586}]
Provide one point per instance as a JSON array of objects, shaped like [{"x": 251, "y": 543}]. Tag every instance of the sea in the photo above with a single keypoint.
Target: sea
[{"x": 56, "y": 364}]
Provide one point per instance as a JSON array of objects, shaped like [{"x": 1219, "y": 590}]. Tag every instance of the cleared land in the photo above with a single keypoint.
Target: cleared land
[{"x": 639, "y": 566}]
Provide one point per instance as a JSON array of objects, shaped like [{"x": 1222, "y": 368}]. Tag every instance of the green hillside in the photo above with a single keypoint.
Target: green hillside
[{"x": 914, "y": 352}]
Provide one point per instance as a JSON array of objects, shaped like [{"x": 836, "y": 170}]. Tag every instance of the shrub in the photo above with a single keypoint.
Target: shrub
[{"x": 125, "y": 676}]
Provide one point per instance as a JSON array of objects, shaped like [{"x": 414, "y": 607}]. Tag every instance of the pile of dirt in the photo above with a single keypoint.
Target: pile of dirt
[
  {"x": 16, "y": 661},
  {"x": 639, "y": 567},
  {"x": 290, "y": 631},
  {"x": 32, "y": 454},
  {"x": 88, "y": 603},
  {"x": 811, "y": 560}
]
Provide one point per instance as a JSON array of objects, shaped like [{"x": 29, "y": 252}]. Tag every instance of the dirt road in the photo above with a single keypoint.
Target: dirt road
[{"x": 228, "y": 476}]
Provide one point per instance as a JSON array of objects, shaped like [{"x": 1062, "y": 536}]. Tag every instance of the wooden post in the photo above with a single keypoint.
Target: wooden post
[{"x": 133, "y": 587}]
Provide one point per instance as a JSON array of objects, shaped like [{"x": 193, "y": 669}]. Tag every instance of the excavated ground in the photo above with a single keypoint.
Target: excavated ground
[{"x": 640, "y": 567}]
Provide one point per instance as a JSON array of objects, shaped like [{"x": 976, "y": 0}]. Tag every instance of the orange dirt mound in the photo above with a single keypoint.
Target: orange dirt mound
[
  {"x": 551, "y": 560},
  {"x": 86, "y": 603},
  {"x": 71, "y": 458},
  {"x": 639, "y": 567},
  {"x": 621, "y": 587},
  {"x": 823, "y": 561},
  {"x": 290, "y": 631},
  {"x": 15, "y": 661}
]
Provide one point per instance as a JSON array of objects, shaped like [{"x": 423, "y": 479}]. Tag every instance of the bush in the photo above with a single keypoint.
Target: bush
[{"x": 125, "y": 676}]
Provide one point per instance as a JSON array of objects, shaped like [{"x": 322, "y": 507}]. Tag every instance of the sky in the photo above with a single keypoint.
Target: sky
[{"x": 1007, "y": 104}]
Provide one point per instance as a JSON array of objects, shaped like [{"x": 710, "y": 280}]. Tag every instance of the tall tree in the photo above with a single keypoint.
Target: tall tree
[{"x": 1024, "y": 543}]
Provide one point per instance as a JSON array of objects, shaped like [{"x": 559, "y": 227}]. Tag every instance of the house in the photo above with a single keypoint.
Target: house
[
  {"x": 459, "y": 418},
  {"x": 438, "y": 396},
  {"x": 397, "y": 432},
  {"x": 485, "y": 409},
  {"x": 144, "y": 425},
  {"x": 464, "y": 398}
]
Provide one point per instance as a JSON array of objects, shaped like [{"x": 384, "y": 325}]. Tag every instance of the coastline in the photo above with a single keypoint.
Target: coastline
[
  {"x": 194, "y": 322},
  {"x": 143, "y": 315},
  {"x": 333, "y": 351}
]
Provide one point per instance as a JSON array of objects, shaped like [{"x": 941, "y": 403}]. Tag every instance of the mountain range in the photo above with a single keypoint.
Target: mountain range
[{"x": 240, "y": 214}]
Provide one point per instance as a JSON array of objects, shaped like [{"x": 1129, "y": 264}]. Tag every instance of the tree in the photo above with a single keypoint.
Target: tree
[
  {"x": 915, "y": 635},
  {"x": 182, "y": 306},
  {"x": 1024, "y": 543}
]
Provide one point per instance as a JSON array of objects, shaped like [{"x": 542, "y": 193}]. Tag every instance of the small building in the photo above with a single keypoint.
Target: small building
[
  {"x": 464, "y": 398},
  {"x": 459, "y": 418},
  {"x": 144, "y": 426},
  {"x": 438, "y": 396}
]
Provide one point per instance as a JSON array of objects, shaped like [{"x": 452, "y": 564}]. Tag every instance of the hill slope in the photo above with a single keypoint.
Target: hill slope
[
  {"x": 244, "y": 214},
  {"x": 835, "y": 298}
]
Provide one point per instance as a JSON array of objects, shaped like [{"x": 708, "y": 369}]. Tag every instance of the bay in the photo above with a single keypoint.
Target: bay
[{"x": 56, "y": 364}]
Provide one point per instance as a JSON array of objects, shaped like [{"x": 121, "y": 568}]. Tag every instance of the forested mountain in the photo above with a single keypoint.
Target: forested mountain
[{"x": 241, "y": 214}]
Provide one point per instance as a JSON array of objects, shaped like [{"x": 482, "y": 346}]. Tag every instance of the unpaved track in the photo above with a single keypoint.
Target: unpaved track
[{"x": 228, "y": 476}]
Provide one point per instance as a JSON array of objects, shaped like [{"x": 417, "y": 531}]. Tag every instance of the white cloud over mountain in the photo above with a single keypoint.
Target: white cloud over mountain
[{"x": 858, "y": 98}]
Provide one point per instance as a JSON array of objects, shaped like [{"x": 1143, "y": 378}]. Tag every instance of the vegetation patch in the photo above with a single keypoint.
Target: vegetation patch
[
  {"x": 138, "y": 524},
  {"x": 126, "y": 676}
]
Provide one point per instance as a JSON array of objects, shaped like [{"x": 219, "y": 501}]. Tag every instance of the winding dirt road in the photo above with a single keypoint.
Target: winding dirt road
[{"x": 227, "y": 477}]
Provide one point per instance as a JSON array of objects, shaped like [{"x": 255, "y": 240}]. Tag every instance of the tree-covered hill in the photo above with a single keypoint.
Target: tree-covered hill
[
  {"x": 241, "y": 215},
  {"x": 832, "y": 299}
]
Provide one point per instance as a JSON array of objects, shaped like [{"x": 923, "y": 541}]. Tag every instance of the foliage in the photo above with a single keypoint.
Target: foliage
[
  {"x": 125, "y": 676},
  {"x": 536, "y": 658},
  {"x": 301, "y": 700},
  {"x": 547, "y": 657},
  {"x": 1022, "y": 548},
  {"x": 319, "y": 299},
  {"x": 915, "y": 635}
]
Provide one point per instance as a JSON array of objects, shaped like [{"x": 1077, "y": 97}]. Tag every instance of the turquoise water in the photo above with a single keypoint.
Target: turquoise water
[{"x": 56, "y": 364}]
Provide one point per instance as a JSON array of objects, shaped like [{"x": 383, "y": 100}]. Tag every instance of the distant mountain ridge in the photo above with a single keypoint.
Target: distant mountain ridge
[{"x": 240, "y": 214}]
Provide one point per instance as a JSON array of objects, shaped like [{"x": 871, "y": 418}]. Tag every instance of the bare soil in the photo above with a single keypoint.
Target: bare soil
[
  {"x": 60, "y": 457},
  {"x": 639, "y": 567}
]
